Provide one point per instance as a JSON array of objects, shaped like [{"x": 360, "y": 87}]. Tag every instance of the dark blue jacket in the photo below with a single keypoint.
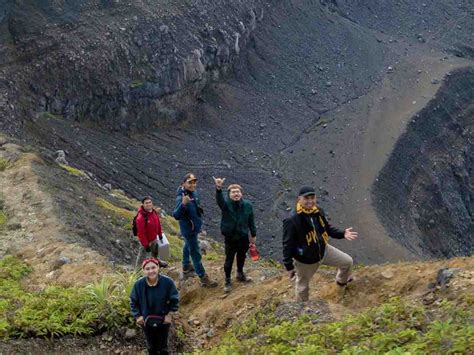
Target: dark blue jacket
[
  {"x": 189, "y": 216},
  {"x": 154, "y": 300}
]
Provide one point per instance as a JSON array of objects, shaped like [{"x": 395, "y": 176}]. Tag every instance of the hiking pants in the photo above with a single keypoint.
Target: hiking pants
[
  {"x": 332, "y": 257},
  {"x": 154, "y": 248},
  {"x": 142, "y": 253},
  {"x": 191, "y": 251},
  {"x": 233, "y": 247},
  {"x": 157, "y": 339}
]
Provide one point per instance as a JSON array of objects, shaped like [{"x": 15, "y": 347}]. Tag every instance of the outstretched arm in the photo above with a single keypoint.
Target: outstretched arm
[{"x": 334, "y": 232}]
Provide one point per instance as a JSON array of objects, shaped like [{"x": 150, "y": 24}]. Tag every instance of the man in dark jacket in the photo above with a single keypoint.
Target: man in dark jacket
[
  {"x": 237, "y": 225},
  {"x": 148, "y": 226},
  {"x": 188, "y": 212},
  {"x": 305, "y": 244},
  {"x": 153, "y": 299}
]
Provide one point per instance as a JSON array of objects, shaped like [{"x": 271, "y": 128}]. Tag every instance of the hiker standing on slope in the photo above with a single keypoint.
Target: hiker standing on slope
[
  {"x": 305, "y": 244},
  {"x": 237, "y": 227},
  {"x": 147, "y": 227},
  {"x": 153, "y": 299},
  {"x": 189, "y": 213}
]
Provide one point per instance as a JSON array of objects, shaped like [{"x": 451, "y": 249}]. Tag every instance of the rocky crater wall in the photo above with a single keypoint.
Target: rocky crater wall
[
  {"x": 425, "y": 192},
  {"x": 125, "y": 66}
]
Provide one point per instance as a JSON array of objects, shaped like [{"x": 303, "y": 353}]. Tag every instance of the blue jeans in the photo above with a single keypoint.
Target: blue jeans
[{"x": 192, "y": 251}]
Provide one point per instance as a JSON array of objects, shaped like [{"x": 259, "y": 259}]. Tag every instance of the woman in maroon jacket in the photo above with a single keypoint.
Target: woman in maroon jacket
[{"x": 148, "y": 226}]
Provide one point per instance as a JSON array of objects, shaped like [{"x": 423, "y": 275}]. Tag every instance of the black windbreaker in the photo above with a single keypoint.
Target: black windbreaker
[{"x": 304, "y": 238}]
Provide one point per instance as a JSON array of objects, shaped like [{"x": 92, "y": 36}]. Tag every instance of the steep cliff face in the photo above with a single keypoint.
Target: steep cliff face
[
  {"x": 425, "y": 193},
  {"x": 123, "y": 65}
]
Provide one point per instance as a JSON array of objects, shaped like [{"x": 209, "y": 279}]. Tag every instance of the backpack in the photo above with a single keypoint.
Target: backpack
[{"x": 134, "y": 223}]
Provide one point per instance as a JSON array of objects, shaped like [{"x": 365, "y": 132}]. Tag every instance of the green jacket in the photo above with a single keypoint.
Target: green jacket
[{"x": 237, "y": 217}]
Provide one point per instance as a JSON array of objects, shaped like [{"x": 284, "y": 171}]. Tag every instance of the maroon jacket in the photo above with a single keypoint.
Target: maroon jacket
[{"x": 148, "y": 231}]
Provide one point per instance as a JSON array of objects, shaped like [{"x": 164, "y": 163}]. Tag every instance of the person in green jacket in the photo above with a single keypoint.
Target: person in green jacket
[{"x": 237, "y": 227}]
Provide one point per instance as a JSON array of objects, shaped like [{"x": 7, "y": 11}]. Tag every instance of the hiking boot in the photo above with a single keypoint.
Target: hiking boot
[
  {"x": 228, "y": 285},
  {"x": 343, "y": 284},
  {"x": 188, "y": 269},
  {"x": 163, "y": 263},
  {"x": 207, "y": 282},
  {"x": 241, "y": 277}
]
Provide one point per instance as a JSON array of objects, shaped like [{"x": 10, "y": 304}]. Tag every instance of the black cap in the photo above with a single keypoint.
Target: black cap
[{"x": 306, "y": 191}]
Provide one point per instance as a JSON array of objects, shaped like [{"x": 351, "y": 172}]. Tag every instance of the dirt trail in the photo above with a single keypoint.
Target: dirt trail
[{"x": 33, "y": 230}]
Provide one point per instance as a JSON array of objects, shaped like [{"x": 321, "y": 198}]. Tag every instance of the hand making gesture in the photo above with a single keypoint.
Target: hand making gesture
[
  {"x": 219, "y": 182},
  {"x": 350, "y": 235}
]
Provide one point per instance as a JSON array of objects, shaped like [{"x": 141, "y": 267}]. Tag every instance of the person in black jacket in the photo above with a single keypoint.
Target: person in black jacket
[
  {"x": 305, "y": 244},
  {"x": 153, "y": 299},
  {"x": 237, "y": 227}
]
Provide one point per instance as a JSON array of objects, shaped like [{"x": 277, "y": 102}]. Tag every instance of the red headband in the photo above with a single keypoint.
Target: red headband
[{"x": 150, "y": 260}]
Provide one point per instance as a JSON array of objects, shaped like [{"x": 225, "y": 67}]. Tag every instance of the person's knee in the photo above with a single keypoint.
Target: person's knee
[{"x": 349, "y": 262}]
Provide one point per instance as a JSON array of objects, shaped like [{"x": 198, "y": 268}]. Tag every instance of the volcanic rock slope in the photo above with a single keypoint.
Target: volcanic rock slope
[{"x": 270, "y": 94}]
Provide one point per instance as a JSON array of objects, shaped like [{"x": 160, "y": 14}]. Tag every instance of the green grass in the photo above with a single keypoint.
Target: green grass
[
  {"x": 73, "y": 171},
  {"x": 3, "y": 218},
  {"x": 396, "y": 327},
  {"x": 124, "y": 200},
  {"x": 3, "y": 164},
  {"x": 58, "y": 311},
  {"x": 121, "y": 216},
  {"x": 3, "y": 215}
]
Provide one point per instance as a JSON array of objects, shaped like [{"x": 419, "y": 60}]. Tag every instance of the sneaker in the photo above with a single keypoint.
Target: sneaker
[
  {"x": 228, "y": 285},
  {"x": 207, "y": 282},
  {"x": 241, "y": 277}
]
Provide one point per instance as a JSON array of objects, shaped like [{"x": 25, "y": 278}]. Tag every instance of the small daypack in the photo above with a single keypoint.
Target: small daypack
[{"x": 134, "y": 223}]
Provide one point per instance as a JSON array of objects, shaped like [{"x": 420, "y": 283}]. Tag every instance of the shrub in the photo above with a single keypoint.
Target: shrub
[
  {"x": 59, "y": 311},
  {"x": 396, "y": 327}
]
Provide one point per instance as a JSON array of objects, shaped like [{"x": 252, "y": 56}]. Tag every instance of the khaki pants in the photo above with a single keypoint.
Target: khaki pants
[{"x": 332, "y": 257}]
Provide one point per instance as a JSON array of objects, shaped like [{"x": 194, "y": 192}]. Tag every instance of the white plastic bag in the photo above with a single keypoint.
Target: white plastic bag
[{"x": 164, "y": 252}]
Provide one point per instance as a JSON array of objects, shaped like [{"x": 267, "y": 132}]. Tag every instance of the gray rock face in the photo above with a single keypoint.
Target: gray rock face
[{"x": 122, "y": 71}]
